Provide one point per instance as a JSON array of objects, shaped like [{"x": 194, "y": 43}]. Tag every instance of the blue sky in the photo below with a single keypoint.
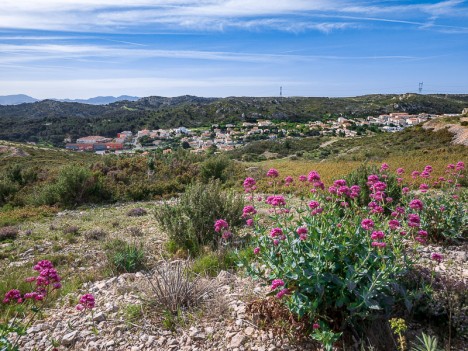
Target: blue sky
[{"x": 85, "y": 48}]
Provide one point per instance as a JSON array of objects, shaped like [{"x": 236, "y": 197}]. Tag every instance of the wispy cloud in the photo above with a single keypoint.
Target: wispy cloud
[
  {"x": 211, "y": 15},
  {"x": 46, "y": 52}
]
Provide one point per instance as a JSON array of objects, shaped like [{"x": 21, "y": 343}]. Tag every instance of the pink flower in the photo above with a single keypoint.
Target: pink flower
[
  {"x": 425, "y": 174},
  {"x": 317, "y": 211},
  {"x": 41, "y": 265},
  {"x": 249, "y": 182},
  {"x": 13, "y": 295},
  {"x": 282, "y": 293},
  {"x": 450, "y": 166},
  {"x": 313, "y": 176},
  {"x": 301, "y": 230},
  {"x": 379, "y": 186},
  {"x": 367, "y": 224},
  {"x": 220, "y": 224},
  {"x": 288, "y": 180},
  {"x": 400, "y": 171},
  {"x": 460, "y": 166},
  {"x": 384, "y": 167},
  {"x": 314, "y": 204},
  {"x": 423, "y": 187},
  {"x": 414, "y": 220},
  {"x": 428, "y": 169},
  {"x": 276, "y": 200},
  {"x": 302, "y": 178},
  {"x": 276, "y": 232},
  {"x": 416, "y": 204},
  {"x": 377, "y": 209},
  {"x": 414, "y": 174},
  {"x": 422, "y": 233},
  {"x": 332, "y": 189},
  {"x": 30, "y": 279},
  {"x": 339, "y": 182},
  {"x": 371, "y": 179},
  {"x": 316, "y": 326},
  {"x": 248, "y": 210},
  {"x": 87, "y": 302},
  {"x": 249, "y": 222},
  {"x": 405, "y": 190},
  {"x": 394, "y": 224},
  {"x": 377, "y": 235},
  {"x": 303, "y": 237},
  {"x": 435, "y": 256},
  {"x": 344, "y": 204},
  {"x": 276, "y": 242},
  {"x": 273, "y": 173},
  {"x": 276, "y": 283},
  {"x": 256, "y": 251}
]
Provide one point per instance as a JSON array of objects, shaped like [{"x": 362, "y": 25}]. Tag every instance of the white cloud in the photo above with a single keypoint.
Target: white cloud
[{"x": 117, "y": 15}]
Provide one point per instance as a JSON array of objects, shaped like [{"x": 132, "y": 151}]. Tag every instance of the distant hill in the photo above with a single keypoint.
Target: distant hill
[
  {"x": 16, "y": 99},
  {"x": 52, "y": 121},
  {"x": 98, "y": 100},
  {"x": 102, "y": 100}
]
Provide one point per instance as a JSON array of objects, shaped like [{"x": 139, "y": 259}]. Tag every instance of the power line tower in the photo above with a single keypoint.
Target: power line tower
[
  {"x": 281, "y": 92},
  {"x": 420, "y": 87}
]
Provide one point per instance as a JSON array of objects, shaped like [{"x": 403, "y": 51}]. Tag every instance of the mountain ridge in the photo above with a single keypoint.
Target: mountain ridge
[{"x": 52, "y": 120}]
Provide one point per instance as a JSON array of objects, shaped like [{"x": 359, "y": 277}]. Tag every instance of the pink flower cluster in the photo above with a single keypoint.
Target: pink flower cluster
[
  {"x": 367, "y": 224},
  {"x": 276, "y": 200},
  {"x": 222, "y": 225},
  {"x": 249, "y": 184},
  {"x": 248, "y": 211},
  {"x": 87, "y": 302},
  {"x": 47, "y": 280},
  {"x": 273, "y": 173}
]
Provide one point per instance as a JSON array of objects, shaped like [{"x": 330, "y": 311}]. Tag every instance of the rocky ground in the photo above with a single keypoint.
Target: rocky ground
[
  {"x": 222, "y": 323},
  {"x": 126, "y": 316}
]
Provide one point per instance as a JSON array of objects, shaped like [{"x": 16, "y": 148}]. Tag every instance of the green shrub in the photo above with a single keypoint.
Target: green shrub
[
  {"x": 359, "y": 177},
  {"x": 7, "y": 233},
  {"x": 215, "y": 168},
  {"x": 75, "y": 185},
  {"x": 7, "y": 190},
  {"x": 189, "y": 223},
  {"x": 445, "y": 217},
  {"x": 125, "y": 257}
]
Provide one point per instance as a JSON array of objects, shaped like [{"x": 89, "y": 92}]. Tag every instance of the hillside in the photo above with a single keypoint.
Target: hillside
[{"x": 52, "y": 121}]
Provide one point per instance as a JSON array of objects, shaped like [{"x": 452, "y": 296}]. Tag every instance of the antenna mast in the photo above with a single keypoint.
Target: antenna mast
[{"x": 420, "y": 87}]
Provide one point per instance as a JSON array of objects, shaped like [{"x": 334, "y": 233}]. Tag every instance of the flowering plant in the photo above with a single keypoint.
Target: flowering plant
[
  {"x": 42, "y": 287},
  {"x": 331, "y": 258}
]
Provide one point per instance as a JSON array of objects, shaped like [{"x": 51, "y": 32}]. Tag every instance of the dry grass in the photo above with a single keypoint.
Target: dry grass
[{"x": 172, "y": 288}]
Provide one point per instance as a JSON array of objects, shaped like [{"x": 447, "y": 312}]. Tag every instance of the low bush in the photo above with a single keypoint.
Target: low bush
[
  {"x": 135, "y": 231},
  {"x": 95, "y": 234},
  {"x": 125, "y": 257},
  {"x": 75, "y": 185},
  {"x": 189, "y": 223},
  {"x": 215, "y": 167},
  {"x": 8, "y": 233},
  {"x": 71, "y": 230},
  {"x": 137, "y": 212}
]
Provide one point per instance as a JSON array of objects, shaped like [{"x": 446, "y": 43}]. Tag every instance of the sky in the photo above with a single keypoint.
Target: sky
[{"x": 218, "y": 48}]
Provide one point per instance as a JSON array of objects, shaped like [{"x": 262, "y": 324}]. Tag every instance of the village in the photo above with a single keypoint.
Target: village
[{"x": 229, "y": 136}]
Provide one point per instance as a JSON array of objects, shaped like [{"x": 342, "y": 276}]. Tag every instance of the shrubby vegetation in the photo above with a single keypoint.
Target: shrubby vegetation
[
  {"x": 189, "y": 222},
  {"x": 340, "y": 262}
]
